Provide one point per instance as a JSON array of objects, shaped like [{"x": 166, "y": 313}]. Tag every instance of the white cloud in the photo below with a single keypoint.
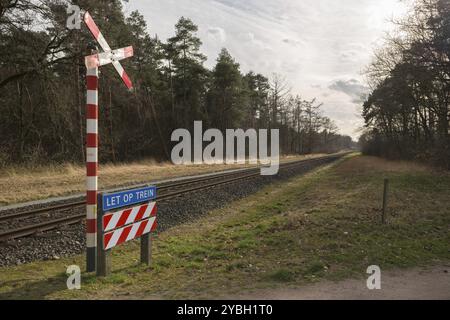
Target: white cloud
[
  {"x": 217, "y": 34},
  {"x": 353, "y": 88},
  {"x": 313, "y": 43}
]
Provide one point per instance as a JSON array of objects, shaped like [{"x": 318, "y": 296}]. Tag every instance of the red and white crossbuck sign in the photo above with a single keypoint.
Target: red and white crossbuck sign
[
  {"x": 109, "y": 56},
  {"x": 92, "y": 63}
]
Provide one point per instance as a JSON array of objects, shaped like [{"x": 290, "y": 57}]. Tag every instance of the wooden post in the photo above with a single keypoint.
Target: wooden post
[
  {"x": 385, "y": 195},
  {"x": 146, "y": 249},
  {"x": 103, "y": 256}
]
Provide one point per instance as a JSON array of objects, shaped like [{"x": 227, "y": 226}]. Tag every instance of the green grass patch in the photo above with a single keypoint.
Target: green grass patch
[{"x": 282, "y": 275}]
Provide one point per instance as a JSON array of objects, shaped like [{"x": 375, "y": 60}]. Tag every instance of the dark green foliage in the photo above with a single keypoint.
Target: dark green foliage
[
  {"x": 407, "y": 115},
  {"x": 42, "y": 89}
]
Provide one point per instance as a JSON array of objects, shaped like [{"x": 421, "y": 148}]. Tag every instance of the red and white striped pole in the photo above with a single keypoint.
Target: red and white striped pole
[
  {"x": 91, "y": 167},
  {"x": 92, "y": 63}
]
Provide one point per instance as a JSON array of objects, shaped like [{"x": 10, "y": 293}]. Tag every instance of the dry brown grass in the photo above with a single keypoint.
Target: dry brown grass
[{"x": 19, "y": 184}]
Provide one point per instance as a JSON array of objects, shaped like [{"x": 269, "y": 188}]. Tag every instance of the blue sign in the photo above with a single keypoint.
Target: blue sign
[{"x": 128, "y": 197}]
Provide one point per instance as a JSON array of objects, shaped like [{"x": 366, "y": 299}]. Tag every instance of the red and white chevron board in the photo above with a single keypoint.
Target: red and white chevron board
[
  {"x": 122, "y": 218},
  {"x": 105, "y": 46},
  {"x": 133, "y": 231}
]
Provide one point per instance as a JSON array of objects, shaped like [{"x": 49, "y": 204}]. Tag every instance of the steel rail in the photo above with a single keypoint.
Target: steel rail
[
  {"x": 55, "y": 223},
  {"x": 187, "y": 181},
  {"x": 83, "y": 202}
]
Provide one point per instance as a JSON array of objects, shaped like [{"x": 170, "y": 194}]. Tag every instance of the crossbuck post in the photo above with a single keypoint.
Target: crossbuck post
[
  {"x": 92, "y": 63},
  {"x": 91, "y": 166}
]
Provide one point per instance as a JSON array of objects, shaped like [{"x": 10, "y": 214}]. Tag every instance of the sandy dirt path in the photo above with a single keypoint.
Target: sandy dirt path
[{"x": 419, "y": 283}]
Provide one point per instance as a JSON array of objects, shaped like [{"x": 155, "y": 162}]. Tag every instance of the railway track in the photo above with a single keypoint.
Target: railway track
[{"x": 166, "y": 191}]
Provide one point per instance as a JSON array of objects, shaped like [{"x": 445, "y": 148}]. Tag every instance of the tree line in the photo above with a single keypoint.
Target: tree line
[
  {"x": 407, "y": 114},
  {"x": 42, "y": 89}
]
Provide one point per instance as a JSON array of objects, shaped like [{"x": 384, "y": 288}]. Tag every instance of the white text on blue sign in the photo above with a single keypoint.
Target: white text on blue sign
[{"x": 128, "y": 197}]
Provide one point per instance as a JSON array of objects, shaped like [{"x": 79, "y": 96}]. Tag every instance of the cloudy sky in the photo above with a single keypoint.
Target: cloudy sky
[{"x": 320, "y": 46}]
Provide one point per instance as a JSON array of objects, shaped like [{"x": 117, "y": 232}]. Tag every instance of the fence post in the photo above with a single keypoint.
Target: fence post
[
  {"x": 385, "y": 195},
  {"x": 146, "y": 248},
  {"x": 103, "y": 256}
]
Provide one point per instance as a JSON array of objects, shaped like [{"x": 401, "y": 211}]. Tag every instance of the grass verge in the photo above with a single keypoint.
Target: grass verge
[{"x": 324, "y": 225}]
